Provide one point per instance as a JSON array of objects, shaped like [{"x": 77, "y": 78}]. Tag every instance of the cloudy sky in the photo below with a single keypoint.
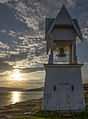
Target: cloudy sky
[{"x": 22, "y": 43}]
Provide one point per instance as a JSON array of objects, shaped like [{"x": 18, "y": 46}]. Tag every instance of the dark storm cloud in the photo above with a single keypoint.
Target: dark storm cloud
[
  {"x": 4, "y": 66},
  {"x": 29, "y": 70},
  {"x": 18, "y": 57},
  {"x": 4, "y": 62},
  {"x": 14, "y": 57}
]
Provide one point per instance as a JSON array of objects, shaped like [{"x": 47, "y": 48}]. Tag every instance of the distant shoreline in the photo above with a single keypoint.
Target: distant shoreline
[
  {"x": 36, "y": 89},
  {"x": 20, "y": 89}
]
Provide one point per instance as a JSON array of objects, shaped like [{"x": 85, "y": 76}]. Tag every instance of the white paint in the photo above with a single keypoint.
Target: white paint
[
  {"x": 70, "y": 54},
  {"x": 69, "y": 94},
  {"x": 63, "y": 28},
  {"x": 63, "y": 83},
  {"x": 63, "y": 33}
]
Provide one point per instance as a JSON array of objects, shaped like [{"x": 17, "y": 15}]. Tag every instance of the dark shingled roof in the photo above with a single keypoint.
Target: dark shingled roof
[
  {"x": 49, "y": 22},
  {"x": 77, "y": 25}
]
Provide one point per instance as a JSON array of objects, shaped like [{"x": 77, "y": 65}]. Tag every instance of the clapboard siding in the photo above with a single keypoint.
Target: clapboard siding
[
  {"x": 69, "y": 93},
  {"x": 63, "y": 34}
]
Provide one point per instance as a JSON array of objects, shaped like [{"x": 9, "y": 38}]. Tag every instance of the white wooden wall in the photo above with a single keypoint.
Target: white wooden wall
[
  {"x": 69, "y": 93},
  {"x": 63, "y": 34}
]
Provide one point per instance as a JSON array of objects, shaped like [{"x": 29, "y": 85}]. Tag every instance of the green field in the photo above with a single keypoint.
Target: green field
[{"x": 32, "y": 110}]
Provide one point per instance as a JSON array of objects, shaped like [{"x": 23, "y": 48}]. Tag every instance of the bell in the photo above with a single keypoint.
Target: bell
[{"x": 61, "y": 53}]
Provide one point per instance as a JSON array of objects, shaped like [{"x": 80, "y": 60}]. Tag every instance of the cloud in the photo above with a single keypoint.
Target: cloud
[
  {"x": 4, "y": 66},
  {"x": 33, "y": 14},
  {"x": 36, "y": 82},
  {"x": 18, "y": 57},
  {"x": 22, "y": 43},
  {"x": 3, "y": 82},
  {"x": 3, "y": 31},
  {"x": 85, "y": 33},
  {"x": 4, "y": 46},
  {"x": 4, "y": 1},
  {"x": 29, "y": 70},
  {"x": 12, "y": 33}
]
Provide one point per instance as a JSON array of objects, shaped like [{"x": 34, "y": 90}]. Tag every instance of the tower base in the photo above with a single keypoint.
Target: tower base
[{"x": 63, "y": 87}]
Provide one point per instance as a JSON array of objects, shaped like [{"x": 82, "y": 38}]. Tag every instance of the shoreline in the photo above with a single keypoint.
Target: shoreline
[
  {"x": 20, "y": 108},
  {"x": 31, "y": 109},
  {"x": 11, "y": 97}
]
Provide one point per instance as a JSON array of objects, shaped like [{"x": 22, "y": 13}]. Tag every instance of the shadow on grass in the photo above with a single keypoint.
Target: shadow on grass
[{"x": 60, "y": 115}]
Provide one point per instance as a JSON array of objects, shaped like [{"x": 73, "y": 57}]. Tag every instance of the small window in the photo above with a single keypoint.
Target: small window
[
  {"x": 54, "y": 88},
  {"x": 72, "y": 87}
]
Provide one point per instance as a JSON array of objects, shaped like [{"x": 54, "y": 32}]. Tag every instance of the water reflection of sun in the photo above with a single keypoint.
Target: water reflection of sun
[
  {"x": 16, "y": 75},
  {"x": 15, "y": 96}
]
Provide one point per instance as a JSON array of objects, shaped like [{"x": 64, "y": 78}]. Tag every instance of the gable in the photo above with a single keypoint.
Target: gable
[{"x": 63, "y": 18}]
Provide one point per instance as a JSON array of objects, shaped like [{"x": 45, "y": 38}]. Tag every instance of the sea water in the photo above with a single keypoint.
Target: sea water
[{"x": 12, "y": 97}]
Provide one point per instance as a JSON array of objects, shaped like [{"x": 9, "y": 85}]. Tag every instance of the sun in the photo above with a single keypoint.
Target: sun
[{"x": 16, "y": 76}]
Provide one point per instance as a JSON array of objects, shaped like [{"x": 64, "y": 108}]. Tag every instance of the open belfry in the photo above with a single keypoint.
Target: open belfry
[{"x": 63, "y": 88}]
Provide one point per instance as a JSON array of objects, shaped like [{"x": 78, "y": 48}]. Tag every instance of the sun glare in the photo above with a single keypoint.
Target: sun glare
[
  {"x": 16, "y": 75},
  {"x": 15, "y": 97}
]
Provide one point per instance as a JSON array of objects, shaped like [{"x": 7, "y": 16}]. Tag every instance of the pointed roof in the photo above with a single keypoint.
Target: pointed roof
[{"x": 62, "y": 19}]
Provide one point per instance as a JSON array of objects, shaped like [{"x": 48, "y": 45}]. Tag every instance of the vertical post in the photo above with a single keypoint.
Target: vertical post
[
  {"x": 70, "y": 55},
  {"x": 51, "y": 53},
  {"x": 74, "y": 57},
  {"x": 52, "y": 50}
]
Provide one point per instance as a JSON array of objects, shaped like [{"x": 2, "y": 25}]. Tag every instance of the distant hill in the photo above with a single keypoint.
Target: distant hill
[
  {"x": 11, "y": 89},
  {"x": 36, "y": 89},
  {"x": 20, "y": 89}
]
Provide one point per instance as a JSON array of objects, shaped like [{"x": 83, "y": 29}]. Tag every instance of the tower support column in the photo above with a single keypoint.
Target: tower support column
[
  {"x": 70, "y": 55},
  {"x": 74, "y": 57},
  {"x": 51, "y": 53}
]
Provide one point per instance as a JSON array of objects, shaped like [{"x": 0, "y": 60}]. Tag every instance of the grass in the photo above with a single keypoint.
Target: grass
[
  {"x": 28, "y": 117},
  {"x": 32, "y": 110}
]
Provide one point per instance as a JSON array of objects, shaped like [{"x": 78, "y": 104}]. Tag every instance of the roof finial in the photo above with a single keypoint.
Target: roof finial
[{"x": 63, "y": 6}]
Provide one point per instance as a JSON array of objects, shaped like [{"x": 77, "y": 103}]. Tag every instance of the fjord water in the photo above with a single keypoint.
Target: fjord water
[{"x": 12, "y": 97}]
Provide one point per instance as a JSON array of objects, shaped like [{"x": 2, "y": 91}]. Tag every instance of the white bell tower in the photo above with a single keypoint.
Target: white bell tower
[{"x": 63, "y": 82}]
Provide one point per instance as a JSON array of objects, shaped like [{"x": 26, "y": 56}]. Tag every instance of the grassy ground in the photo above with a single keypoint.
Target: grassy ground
[{"x": 32, "y": 110}]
